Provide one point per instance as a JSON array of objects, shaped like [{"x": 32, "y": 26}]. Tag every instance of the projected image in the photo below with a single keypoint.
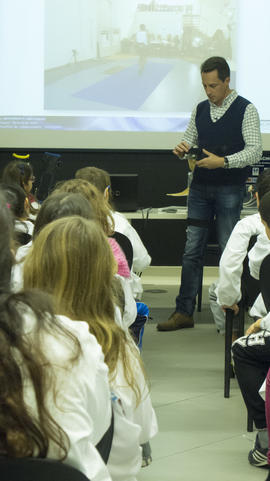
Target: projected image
[{"x": 132, "y": 56}]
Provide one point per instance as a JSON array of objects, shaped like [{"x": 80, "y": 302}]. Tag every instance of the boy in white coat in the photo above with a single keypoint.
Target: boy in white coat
[{"x": 227, "y": 291}]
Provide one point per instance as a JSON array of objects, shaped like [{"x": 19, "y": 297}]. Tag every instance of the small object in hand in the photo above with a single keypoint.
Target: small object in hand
[{"x": 195, "y": 153}]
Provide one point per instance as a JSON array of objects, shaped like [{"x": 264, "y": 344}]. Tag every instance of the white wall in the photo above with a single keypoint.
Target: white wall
[
  {"x": 21, "y": 64},
  {"x": 75, "y": 21},
  {"x": 253, "y": 55}
]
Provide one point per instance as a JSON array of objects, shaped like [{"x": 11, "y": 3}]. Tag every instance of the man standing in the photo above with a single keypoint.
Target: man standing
[
  {"x": 227, "y": 130},
  {"x": 142, "y": 42}
]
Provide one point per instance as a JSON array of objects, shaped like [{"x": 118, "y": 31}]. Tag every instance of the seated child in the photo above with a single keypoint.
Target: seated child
[
  {"x": 18, "y": 203},
  {"x": 21, "y": 173},
  {"x": 227, "y": 292},
  {"x": 60, "y": 205},
  {"x": 104, "y": 218},
  {"x": 251, "y": 355},
  {"x": 54, "y": 396},
  {"x": 141, "y": 259},
  {"x": 72, "y": 260}
]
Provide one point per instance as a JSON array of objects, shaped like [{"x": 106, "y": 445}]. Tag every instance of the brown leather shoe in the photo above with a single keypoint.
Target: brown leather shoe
[{"x": 176, "y": 321}]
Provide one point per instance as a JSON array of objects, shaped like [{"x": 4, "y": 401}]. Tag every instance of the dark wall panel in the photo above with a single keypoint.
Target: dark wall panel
[{"x": 160, "y": 172}]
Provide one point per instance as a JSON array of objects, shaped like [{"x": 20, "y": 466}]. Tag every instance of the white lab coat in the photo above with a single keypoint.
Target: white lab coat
[
  {"x": 231, "y": 262},
  {"x": 83, "y": 405},
  {"x": 258, "y": 252},
  {"x": 16, "y": 281},
  {"x": 141, "y": 258},
  {"x": 24, "y": 226},
  {"x": 134, "y": 425}
]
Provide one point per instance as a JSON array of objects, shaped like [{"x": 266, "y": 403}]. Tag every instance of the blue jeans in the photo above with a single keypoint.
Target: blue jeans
[{"x": 205, "y": 203}]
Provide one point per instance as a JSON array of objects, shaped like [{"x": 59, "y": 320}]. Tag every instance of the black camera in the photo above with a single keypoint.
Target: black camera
[{"x": 195, "y": 153}]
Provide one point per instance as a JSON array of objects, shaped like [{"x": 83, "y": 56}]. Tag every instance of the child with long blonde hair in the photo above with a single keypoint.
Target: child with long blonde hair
[
  {"x": 54, "y": 394},
  {"x": 94, "y": 197},
  {"x": 125, "y": 308},
  {"x": 63, "y": 204},
  {"x": 103, "y": 216},
  {"x": 72, "y": 260},
  {"x": 141, "y": 259}
]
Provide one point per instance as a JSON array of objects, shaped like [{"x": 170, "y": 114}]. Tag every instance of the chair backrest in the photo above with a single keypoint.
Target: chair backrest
[
  {"x": 35, "y": 469},
  {"x": 250, "y": 287},
  {"x": 105, "y": 444},
  {"x": 265, "y": 281},
  {"x": 126, "y": 246},
  {"x": 23, "y": 238}
]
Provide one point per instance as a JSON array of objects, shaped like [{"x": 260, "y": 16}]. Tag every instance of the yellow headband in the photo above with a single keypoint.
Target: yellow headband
[{"x": 21, "y": 157}]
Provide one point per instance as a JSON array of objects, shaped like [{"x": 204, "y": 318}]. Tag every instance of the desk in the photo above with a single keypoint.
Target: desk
[
  {"x": 164, "y": 238},
  {"x": 181, "y": 213},
  {"x": 160, "y": 214}
]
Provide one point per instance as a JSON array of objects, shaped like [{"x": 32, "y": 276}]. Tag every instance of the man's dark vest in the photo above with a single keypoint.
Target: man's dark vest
[{"x": 223, "y": 137}]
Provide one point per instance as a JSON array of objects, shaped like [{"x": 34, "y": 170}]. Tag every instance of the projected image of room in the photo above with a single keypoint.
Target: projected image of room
[{"x": 122, "y": 67}]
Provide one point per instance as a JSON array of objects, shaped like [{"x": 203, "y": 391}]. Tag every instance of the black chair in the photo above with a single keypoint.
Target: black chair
[
  {"x": 105, "y": 444},
  {"x": 23, "y": 238},
  {"x": 228, "y": 360},
  {"x": 212, "y": 249},
  {"x": 250, "y": 289},
  {"x": 126, "y": 246},
  {"x": 228, "y": 356},
  {"x": 36, "y": 469}
]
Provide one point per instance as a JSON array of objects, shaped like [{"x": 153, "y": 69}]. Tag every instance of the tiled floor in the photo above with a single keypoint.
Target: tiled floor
[{"x": 202, "y": 435}]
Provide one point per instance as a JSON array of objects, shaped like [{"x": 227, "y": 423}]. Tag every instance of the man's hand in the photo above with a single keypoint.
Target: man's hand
[
  {"x": 234, "y": 308},
  {"x": 181, "y": 149},
  {"x": 212, "y": 161},
  {"x": 255, "y": 327}
]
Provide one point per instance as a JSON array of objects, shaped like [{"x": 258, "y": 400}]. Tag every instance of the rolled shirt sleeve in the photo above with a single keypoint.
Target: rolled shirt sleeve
[{"x": 252, "y": 151}]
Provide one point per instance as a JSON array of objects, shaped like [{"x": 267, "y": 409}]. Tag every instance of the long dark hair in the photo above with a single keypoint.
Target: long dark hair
[
  {"x": 15, "y": 196},
  {"x": 264, "y": 208},
  {"x": 17, "y": 172},
  {"x": 6, "y": 235},
  {"x": 22, "y": 359}
]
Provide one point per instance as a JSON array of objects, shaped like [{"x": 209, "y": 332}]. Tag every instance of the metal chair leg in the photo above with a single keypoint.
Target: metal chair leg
[{"x": 228, "y": 355}]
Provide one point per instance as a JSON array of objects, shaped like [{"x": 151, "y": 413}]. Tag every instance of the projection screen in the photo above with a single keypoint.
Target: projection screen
[{"x": 122, "y": 73}]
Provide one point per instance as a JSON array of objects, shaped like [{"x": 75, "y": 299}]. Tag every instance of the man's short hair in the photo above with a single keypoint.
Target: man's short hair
[
  {"x": 216, "y": 63},
  {"x": 263, "y": 183},
  {"x": 264, "y": 208},
  {"x": 98, "y": 177}
]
